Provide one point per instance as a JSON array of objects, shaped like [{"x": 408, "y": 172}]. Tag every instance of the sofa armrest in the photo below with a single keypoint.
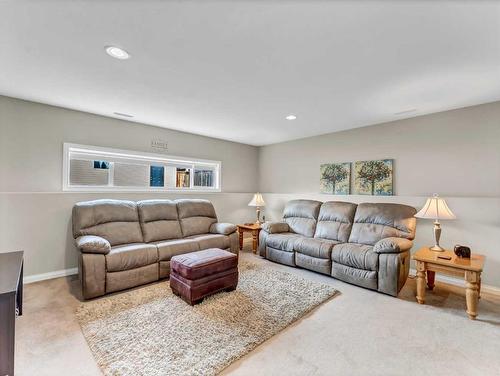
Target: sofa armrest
[
  {"x": 222, "y": 228},
  {"x": 275, "y": 227},
  {"x": 392, "y": 245},
  {"x": 93, "y": 244}
]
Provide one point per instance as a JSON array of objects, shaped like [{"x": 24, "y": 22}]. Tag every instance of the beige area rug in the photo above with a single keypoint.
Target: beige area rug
[{"x": 150, "y": 331}]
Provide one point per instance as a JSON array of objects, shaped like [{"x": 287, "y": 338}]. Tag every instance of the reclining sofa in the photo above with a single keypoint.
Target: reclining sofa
[
  {"x": 124, "y": 244},
  {"x": 367, "y": 244}
]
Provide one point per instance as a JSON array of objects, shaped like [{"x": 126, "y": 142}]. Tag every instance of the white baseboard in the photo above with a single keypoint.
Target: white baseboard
[
  {"x": 488, "y": 289},
  {"x": 49, "y": 275},
  {"x": 440, "y": 278}
]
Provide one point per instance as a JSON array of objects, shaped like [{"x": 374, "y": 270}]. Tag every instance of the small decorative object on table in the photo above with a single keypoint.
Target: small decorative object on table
[
  {"x": 429, "y": 262},
  {"x": 462, "y": 251},
  {"x": 436, "y": 208},
  {"x": 254, "y": 228},
  {"x": 258, "y": 202}
]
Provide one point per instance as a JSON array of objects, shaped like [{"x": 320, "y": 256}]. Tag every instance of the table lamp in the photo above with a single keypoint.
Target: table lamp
[
  {"x": 258, "y": 202},
  {"x": 436, "y": 208}
]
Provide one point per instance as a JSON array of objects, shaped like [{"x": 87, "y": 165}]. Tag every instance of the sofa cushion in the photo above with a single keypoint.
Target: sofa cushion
[
  {"x": 375, "y": 221},
  {"x": 335, "y": 221},
  {"x": 275, "y": 227},
  {"x": 116, "y": 221},
  {"x": 196, "y": 216},
  {"x": 359, "y": 256},
  {"x": 222, "y": 228},
  {"x": 169, "y": 248},
  {"x": 283, "y": 241},
  {"x": 207, "y": 241},
  {"x": 319, "y": 265},
  {"x": 301, "y": 216},
  {"x": 314, "y": 247},
  {"x": 359, "y": 277},
  {"x": 131, "y": 256},
  {"x": 159, "y": 220},
  {"x": 282, "y": 257},
  {"x": 93, "y": 244}
]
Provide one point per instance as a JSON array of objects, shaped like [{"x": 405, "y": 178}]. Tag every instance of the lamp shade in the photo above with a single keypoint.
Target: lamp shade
[
  {"x": 435, "y": 208},
  {"x": 257, "y": 200}
]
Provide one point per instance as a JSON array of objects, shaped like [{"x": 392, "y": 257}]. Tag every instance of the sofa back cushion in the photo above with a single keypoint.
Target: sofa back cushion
[
  {"x": 301, "y": 216},
  {"x": 159, "y": 220},
  {"x": 335, "y": 221},
  {"x": 195, "y": 216},
  {"x": 116, "y": 221},
  {"x": 376, "y": 221}
]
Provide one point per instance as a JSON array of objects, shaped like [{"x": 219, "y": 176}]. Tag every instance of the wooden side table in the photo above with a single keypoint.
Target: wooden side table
[
  {"x": 430, "y": 262},
  {"x": 254, "y": 228}
]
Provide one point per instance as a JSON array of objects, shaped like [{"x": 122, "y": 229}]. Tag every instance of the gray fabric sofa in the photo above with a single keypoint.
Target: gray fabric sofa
[
  {"x": 124, "y": 244},
  {"x": 367, "y": 244}
]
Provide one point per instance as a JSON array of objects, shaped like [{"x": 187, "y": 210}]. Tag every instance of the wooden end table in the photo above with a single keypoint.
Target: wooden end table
[
  {"x": 254, "y": 228},
  {"x": 429, "y": 262}
]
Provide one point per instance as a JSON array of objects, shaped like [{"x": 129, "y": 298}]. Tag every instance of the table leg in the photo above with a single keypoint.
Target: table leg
[
  {"x": 420, "y": 282},
  {"x": 240, "y": 233},
  {"x": 255, "y": 241},
  {"x": 479, "y": 288},
  {"x": 430, "y": 279},
  {"x": 471, "y": 293}
]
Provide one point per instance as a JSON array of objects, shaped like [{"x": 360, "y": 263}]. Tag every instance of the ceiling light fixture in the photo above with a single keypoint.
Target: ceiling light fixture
[
  {"x": 117, "y": 52},
  {"x": 291, "y": 117},
  {"x": 123, "y": 115},
  {"x": 405, "y": 112}
]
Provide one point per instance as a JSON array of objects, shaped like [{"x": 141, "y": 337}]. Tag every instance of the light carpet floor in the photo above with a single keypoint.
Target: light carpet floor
[
  {"x": 151, "y": 331},
  {"x": 359, "y": 332}
]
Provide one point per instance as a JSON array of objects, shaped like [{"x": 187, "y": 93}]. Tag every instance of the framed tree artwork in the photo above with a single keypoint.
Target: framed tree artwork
[
  {"x": 335, "y": 178},
  {"x": 373, "y": 177}
]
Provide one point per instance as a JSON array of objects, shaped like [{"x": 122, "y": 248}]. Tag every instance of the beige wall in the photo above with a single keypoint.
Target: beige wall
[
  {"x": 32, "y": 137},
  {"x": 35, "y": 215},
  {"x": 454, "y": 153}
]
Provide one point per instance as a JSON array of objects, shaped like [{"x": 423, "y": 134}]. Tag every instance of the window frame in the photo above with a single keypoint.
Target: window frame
[{"x": 149, "y": 158}]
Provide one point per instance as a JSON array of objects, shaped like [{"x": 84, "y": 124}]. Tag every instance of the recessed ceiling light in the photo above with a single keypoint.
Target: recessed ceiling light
[
  {"x": 117, "y": 52},
  {"x": 123, "y": 115},
  {"x": 291, "y": 117},
  {"x": 405, "y": 111}
]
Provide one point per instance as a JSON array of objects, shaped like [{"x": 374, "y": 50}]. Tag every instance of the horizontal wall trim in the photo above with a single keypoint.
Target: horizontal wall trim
[
  {"x": 50, "y": 275},
  {"x": 172, "y": 192},
  {"x": 488, "y": 289},
  {"x": 329, "y": 196}
]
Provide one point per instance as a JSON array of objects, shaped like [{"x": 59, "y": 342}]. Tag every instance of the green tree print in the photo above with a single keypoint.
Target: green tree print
[
  {"x": 372, "y": 172},
  {"x": 334, "y": 173}
]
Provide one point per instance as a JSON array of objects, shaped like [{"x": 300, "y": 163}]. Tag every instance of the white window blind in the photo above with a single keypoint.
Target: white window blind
[
  {"x": 131, "y": 175},
  {"x": 82, "y": 172}
]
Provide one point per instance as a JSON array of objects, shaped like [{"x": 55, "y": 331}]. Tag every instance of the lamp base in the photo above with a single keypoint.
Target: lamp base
[{"x": 437, "y": 248}]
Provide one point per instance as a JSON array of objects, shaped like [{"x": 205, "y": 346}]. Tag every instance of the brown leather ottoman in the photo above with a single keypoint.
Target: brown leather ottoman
[{"x": 195, "y": 275}]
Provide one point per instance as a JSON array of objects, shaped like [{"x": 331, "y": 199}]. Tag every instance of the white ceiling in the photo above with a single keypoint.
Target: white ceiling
[{"x": 235, "y": 69}]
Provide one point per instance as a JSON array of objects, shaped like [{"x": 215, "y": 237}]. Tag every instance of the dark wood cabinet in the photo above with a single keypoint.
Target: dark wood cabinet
[{"x": 11, "y": 305}]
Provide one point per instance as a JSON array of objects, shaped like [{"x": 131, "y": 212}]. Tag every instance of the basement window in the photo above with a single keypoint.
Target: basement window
[{"x": 92, "y": 168}]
